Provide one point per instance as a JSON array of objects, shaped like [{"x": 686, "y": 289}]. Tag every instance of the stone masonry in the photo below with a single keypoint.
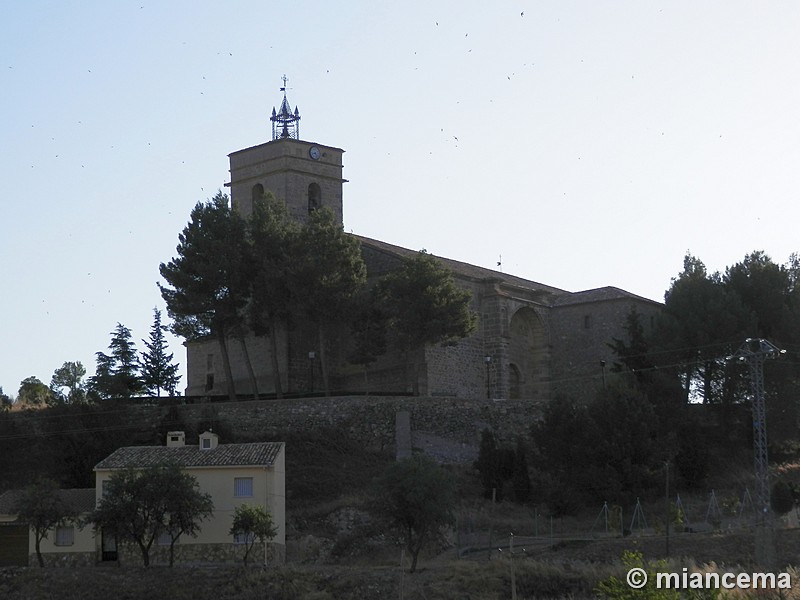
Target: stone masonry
[{"x": 533, "y": 341}]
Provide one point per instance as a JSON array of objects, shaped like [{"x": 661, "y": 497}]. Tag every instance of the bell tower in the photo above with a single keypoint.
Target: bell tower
[{"x": 305, "y": 175}]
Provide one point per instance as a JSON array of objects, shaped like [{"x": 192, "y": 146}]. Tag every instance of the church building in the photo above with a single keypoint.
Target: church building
[{"x": 532, "y": 341}]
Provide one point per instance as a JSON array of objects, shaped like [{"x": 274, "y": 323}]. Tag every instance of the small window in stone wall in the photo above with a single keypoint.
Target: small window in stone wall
[
  {"x": 258, "y": 192},
  {"x": 314, "y": 197},
  {"x": 587, "y": 321},
  {"x": 209, "y": 382},
  {"x": 65, "y": 536}
]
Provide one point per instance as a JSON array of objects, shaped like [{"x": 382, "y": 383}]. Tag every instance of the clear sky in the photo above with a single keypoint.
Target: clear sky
[{"x": 587, "y": 143}]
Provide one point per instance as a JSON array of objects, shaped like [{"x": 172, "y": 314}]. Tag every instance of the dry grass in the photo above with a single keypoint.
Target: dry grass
[{"x": 570, "y": 571}]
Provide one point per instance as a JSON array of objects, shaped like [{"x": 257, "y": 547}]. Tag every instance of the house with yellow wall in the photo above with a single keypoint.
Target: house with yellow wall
[
  {"x": 70, "y": 544},
  {"x": 232, "y": 474}
]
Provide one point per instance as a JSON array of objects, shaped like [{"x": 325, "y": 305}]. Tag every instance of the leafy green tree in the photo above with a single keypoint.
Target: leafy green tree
[
  {"x": 763, "y": 288},
  {"x": 101, "y": 385},
  {"x": 700, "y": 325},
  {"x": 562, "y": 454},
  {"x": 5, "y": 401},
  {"x": 158, "y": 372},
  {"x": 500, "y": 467},
  {"x": 272, "y": 236},
  {"x": 418, "y": 497},
  {"x": 707, "y": 317},
  {"x": 622, "y": 439},
  {"x": 41, "y": 507},
  {"x": 186, "y": 507},
  {"x": 771, "y": 300},
  {"x": 141, "y": 504},
  {"x": 206, "y": 287},
  {"x": 117, "y": 374},
  {"x": 781, "y": 498},
  {"x": 489, "y": 466},
  {"x": 252, "y": 524},
  {"x": 520, "y": 477},
  {"x": 33, "y": 393},
  {"x": 327, "y": 276},
  {"x": 70, "y": 376},
  {"x": 636, "y": 364},
  {"x": 606, "y": 449},
  {"x": 633, "y": 353},
  {"x": 424, "y": 307},
  {"x": 368, "y": 329}
]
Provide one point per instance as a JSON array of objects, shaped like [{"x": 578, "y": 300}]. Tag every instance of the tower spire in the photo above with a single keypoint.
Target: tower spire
[{"x": 285, "y": 123}]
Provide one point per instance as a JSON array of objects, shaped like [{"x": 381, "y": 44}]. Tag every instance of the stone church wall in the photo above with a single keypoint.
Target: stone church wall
[
  {"x": 207, "y": 375},
  {"x": 580, "y": 337},
  {"x": 459, "y": 369}
]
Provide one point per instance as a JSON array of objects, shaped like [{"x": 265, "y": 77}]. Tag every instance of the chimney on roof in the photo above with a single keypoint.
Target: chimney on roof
[
  {"x": 208, "y": 440},
  {"x": 176, "y": 439}
]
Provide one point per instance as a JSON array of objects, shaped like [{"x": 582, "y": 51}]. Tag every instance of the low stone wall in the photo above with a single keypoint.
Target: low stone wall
[
  {"x": 64, "y": 559},
  {"x": 204, "y": 554}
]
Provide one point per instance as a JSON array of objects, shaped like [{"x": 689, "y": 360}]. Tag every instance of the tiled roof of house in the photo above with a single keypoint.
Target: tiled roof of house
[
  {"x": 224, "y": 455},
  {"x": 80, "y": 500}
]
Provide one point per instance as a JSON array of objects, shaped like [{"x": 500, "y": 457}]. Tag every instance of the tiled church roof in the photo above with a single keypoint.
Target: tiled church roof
[
  {"x": 224, "y": 455},
  {"x": 598, "y": 295},
  {"x": 461, "y": 268},
  {"x": 556, "y": 296}
]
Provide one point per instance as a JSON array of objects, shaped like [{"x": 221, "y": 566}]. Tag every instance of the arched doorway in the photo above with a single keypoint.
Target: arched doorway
[{"x": 528, "y": 356}]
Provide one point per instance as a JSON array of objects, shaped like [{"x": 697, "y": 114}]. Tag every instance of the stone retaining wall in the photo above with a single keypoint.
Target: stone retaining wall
[{"x": 371, "y": 420}]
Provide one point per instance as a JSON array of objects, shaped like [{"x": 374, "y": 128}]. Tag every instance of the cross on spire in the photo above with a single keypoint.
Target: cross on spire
[{"x": 285, "y": 123}]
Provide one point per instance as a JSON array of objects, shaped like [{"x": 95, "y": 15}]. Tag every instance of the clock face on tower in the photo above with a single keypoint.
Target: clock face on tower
[{"x": 314, "y": 152}]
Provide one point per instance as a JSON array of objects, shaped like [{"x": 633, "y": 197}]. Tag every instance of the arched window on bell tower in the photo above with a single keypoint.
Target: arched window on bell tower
[
  {"x": 258, "y": 192},
  {"x": 314, "y": 197}
]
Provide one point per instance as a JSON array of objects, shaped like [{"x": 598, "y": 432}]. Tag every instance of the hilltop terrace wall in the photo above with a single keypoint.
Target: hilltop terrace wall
[{"x": 370, "y": 419}]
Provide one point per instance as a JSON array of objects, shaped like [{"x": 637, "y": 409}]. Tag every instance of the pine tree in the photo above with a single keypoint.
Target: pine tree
[
  {"x": 157, "y": 369},
  {"x": 117, "y": 374},
  {"x": 328, "y": 274},
  {"x": 272, "y": 235},
  {"x": 126, "y": 362},
  {"x": 207, "y": 286},
  {"x": 425, "y": 306}
]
